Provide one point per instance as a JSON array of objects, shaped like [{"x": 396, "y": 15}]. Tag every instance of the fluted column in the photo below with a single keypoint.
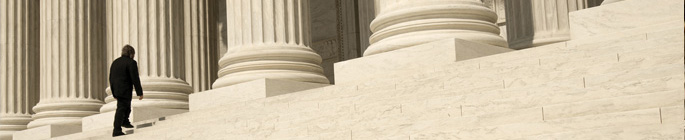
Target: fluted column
[
  {"x": 405, "y": 23},
  {"x": 532, "y": 23},
  {"x": 155, "y": 30},
  {"x": 72, "y": 61},
  {"x": 19, "y": 64},
  {"x": 269, "y": 39},
  {"x": 200, "y": 43}
]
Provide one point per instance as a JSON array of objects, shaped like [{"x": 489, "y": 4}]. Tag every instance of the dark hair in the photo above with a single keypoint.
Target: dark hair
[{"x": 128, "y": 51}]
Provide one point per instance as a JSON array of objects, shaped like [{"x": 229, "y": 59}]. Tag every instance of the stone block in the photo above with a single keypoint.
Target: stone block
[
  {"x": 46, "y": 132},
  {"x": 673, "y": 114},
  {"x": 616, "y": 104},
  {"x": 420, "y": 56},
  {"x": 623, "y": 15},
  {"x": 633, "y": 74},
  {"x": 255, "y": 89},
  {"x": 138, "y": 114},
  {"x": 637, "y": 132}
]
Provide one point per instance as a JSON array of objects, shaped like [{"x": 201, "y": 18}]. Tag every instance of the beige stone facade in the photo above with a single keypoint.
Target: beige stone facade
[{"x": 347, "y": 69}]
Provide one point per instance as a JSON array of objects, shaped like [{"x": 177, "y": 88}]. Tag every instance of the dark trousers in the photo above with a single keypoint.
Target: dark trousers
[{"x": 121, "y": 116}]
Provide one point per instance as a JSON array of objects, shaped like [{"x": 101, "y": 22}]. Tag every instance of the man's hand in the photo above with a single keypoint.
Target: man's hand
[{"x": 140, "y": 97}]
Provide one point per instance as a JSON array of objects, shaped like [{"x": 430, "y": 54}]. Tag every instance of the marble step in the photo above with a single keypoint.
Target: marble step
[
  {"x": 517, "y": 130},
  {"x": 616, "y": 104},
  {"x": 537, "y": 95},
  {"x": 514, "y": 99},
  {"x": 651, "y": 131},
  {"x": 580, "y": 47},
  {"x": 139, "y": 124},
  {"x": 139, "y": 115},
  {"x": 623, "y": 15},
  {"x": 416, "y": 57},
  {"x": 551, "y": 64},
  {"x": 617, "y": 76}
]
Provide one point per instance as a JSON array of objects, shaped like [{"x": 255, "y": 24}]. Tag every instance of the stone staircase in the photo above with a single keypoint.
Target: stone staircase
[{"x": 619, "y": 84}]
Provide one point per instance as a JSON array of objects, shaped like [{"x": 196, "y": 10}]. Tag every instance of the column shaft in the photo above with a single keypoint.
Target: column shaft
[
  {"x": 72, "y": 61},
  {"x": 405, "y": 23},
  {"x": 200, "y": 43},
  {"x": 269, "y": 39},
  {"x": 532, "y": 23},
  {"x": 19, "y": 64},
  {"x": 155, "y": 30},
  {"x": 366, "y": 14}
]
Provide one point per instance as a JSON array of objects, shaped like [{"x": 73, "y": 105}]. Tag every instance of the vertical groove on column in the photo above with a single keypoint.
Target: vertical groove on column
[
  {"x": 66, "y": 94},
  {"x": 19, "y": 64},
  {"x": 200, "y": 58},
  {"x": 155, "y": 30}
]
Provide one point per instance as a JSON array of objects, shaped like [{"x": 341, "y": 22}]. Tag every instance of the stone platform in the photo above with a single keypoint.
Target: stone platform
[
  {"x": 46, "y": 132},
  {"x": 408, "y": 59}
]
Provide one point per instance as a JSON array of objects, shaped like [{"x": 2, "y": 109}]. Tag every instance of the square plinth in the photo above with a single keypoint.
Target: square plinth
[
  {"x": 46, "y": 132},
  {"x": 255, "y": 89},
  {"x": 407, "y": 59}
]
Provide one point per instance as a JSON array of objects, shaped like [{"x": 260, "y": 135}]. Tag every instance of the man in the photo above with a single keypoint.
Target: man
[{"x": 123, "y": 76}]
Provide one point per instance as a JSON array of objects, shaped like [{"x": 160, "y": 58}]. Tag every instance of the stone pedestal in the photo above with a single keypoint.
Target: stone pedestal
[
  {"x": 72, "y": 61},
  {"x": 409, "y": 59},
  {"x": 532, "y": 23},
  {"x": 155, "y": 30},
  {"x": 269, "y": 39},
  {"x": 19, "y": 68},
  {"x": 47, "y": 132},
  {"x": 401, "y": 24},
  {"x": 256, "y": 89}
]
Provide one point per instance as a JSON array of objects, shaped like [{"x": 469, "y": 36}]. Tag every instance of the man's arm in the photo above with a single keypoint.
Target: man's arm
[
  {"x": 110, "y": 85},
  {"x": 133, "y": 70}
]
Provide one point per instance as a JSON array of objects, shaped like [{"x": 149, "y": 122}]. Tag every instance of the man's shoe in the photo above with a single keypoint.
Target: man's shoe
[
  {"x": 116, "y": 134},
  {"x": 127, "y": 125}
]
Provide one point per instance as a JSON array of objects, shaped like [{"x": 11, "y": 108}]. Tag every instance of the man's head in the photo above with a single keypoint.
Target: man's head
[{"x": 128, "y": 51}]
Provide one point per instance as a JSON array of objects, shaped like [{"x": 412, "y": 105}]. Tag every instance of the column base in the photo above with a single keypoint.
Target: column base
[
  {"x": 271, "y": 61},
  {"x": 427, "y": 55},
  {"x": 255, "y": 89},
  {"x": 168, "y": 93},
  {"x": 46, "y": 132},
  {"x": 62, "y": 111}
]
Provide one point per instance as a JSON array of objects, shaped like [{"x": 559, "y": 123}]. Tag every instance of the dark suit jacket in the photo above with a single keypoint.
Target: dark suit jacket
[{"x": 123, "y": 76}]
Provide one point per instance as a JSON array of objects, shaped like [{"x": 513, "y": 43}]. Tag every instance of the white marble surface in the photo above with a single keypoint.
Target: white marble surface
[{"x": 622, "y": 15}]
